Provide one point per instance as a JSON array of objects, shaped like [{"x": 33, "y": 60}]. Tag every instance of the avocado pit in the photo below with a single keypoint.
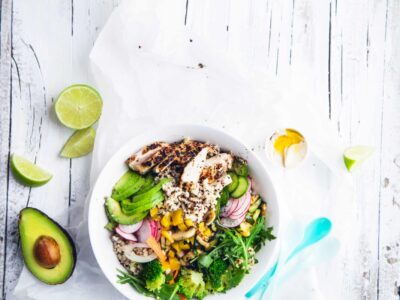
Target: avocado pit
[{"x": 47, "y": 252}]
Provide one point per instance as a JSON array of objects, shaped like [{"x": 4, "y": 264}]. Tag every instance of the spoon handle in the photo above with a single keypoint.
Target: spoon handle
[{"x": 263, "y": 281}]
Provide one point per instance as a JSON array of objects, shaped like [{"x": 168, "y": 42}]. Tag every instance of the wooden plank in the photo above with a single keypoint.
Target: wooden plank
[
  {"x": 389, "y": 239},
  {"x": 35, "y": 132},
  {"x": 356, "y": 83},
  {"x": 45, "y": 60},
  {"x": 5, "y": 112}
]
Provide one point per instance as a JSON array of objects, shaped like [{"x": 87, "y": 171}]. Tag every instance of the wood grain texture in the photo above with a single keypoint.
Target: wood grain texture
[{"x": 348, "y": 50}]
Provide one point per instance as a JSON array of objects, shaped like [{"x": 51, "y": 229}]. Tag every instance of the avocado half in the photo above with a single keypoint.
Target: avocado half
[{"x": 47, "y": 249}]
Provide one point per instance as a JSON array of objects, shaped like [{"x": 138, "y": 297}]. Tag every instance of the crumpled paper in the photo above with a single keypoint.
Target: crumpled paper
[{"x": 153, "y": 71}]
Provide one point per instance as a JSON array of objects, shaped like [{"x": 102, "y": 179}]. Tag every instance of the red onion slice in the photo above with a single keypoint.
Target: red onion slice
[
  {"x": 130, "y": 228},
  {"x": 126, "y": 236},
  {"x": 229, "y": 223},
  {"x": 225, "y": 209},
  {"x": 235, "y": 203},
  {"x": 243, "y": 207},
  {"x": 144, "y": 232}
]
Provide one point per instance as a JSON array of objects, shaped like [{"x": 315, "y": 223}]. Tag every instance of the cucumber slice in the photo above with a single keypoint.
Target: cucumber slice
[
  {"x": 127, "y": 185},
  {"x": 241, "y": 188},
  {"x": 233, "y": 185},
  {"x": 113, "y": 210}
]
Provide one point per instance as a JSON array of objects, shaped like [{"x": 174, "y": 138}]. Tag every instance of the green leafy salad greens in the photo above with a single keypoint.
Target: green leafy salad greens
[{"x": 217, "y": 270}]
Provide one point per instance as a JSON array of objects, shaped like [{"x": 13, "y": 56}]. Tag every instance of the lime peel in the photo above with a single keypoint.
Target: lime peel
[
  {"x": 355, "y": 156},
  {"x": 79, "y": 106},
  {"x": 79, "y": 144},
  {"x": 28, "y": 173}
]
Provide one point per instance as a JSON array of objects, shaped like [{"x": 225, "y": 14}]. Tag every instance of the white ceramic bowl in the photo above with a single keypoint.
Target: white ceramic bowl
[{"x": 100, "y": 237}]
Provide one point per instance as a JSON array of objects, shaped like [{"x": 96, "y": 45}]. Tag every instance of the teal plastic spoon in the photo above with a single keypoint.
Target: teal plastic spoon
[{"x": 314, "y": 232}]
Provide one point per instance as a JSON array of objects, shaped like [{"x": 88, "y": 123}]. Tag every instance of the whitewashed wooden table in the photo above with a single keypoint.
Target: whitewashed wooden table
[{"x": 350, "y": 46}]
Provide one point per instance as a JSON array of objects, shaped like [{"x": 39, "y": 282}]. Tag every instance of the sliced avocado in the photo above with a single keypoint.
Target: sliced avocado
[
  {"x": 47, "y": 249},
  {"x": 113, "y": 210},
  {"x": 127, "y": 185},
  {"x": 148, "y": 184},
  {"x": 146, "y": 204}
]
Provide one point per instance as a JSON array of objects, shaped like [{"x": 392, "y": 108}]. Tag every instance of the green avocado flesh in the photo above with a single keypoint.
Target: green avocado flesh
[
  {"x": 34, "y": 224},
  {"x": 114, "y": 212}
]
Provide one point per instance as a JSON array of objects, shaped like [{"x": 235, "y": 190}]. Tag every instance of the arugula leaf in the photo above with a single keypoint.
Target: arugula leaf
[{"x": 259, "y": 234}]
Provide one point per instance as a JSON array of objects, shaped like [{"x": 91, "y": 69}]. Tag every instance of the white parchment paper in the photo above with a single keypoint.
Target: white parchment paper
[{"x": 151, "y": 71}]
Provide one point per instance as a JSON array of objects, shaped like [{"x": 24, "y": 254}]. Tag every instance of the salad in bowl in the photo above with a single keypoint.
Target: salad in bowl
[{"x": 185, "y": 220}]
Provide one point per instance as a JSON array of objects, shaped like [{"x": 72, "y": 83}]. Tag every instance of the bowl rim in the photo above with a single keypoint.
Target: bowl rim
[{"x": 185, "y": 127}]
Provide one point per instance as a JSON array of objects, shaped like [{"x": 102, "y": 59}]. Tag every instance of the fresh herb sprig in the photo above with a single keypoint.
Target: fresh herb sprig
[{"x": 167, "y": 291}]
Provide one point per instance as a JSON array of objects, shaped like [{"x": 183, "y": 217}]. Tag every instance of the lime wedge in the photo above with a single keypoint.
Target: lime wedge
[
  {"x": 78, "y": 106},
  {"x": 354, "y": 156},
  {"x": 27, "y": 172},
  {"x": 79, "y": 144}
]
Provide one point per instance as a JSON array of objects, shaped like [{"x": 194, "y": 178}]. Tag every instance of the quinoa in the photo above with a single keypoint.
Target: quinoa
[
  {"x": 196, "y": 203},
  {"x": 118, "y": 246}
]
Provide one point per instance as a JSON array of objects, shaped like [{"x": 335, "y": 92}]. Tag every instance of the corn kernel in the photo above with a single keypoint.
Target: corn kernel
[
  {"x": 189, "y": 222},
  {"x": 183, "y": 245},
  {"x": 166, "y": 221},
  {"x": 176, "y": 247},
  {"x": 167, "y": 235},
  {"x": 171, "y": 254},
  {"x": 191, "y": 240},
  {"x": 165, "y": 265},
  {"x": 154, "y": 212},
  {"x": 174, "y": 264},
  {"x": 177, "y": 217},
  {"x": 207, "y": 232},
  {"x": 182, "y": 227},
  {"x": 202, "y": 226}
]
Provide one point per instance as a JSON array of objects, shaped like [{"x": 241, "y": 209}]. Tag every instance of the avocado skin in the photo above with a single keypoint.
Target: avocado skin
[{"x": 66, "y": 234}]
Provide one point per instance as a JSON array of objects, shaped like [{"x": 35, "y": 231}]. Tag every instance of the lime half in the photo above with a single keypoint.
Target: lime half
[
  {"x": 79, "y": 144},
  {"x": 79, "y": 106},
  {"x": 27, "y": 172},
  {"x": 354, "y": 156}
]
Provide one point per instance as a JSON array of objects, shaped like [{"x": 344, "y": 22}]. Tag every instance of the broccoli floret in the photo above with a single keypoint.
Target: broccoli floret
[
  {"x": 191, "y": 284},
  {"x": 153, "y": 275},
  {"x": 215, "y": 272}
]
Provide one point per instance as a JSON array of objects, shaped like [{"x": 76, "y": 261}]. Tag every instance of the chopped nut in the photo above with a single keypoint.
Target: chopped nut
[
  {"x": 183, "y": 235},
  {"x": 210, "y": 217},
  {"x": 202, "y": 242}
]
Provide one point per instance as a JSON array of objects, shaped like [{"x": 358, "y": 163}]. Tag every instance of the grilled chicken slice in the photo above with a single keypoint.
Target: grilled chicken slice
[
  {"x": 182, "y": 153},
  {"x": 191, "y": 173},
  {"x": 137, "y": 161},
  {"x": 216, "y": 167},
  {"x": 189, "y": 148},
  {"x": 160, "y": 156}
]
